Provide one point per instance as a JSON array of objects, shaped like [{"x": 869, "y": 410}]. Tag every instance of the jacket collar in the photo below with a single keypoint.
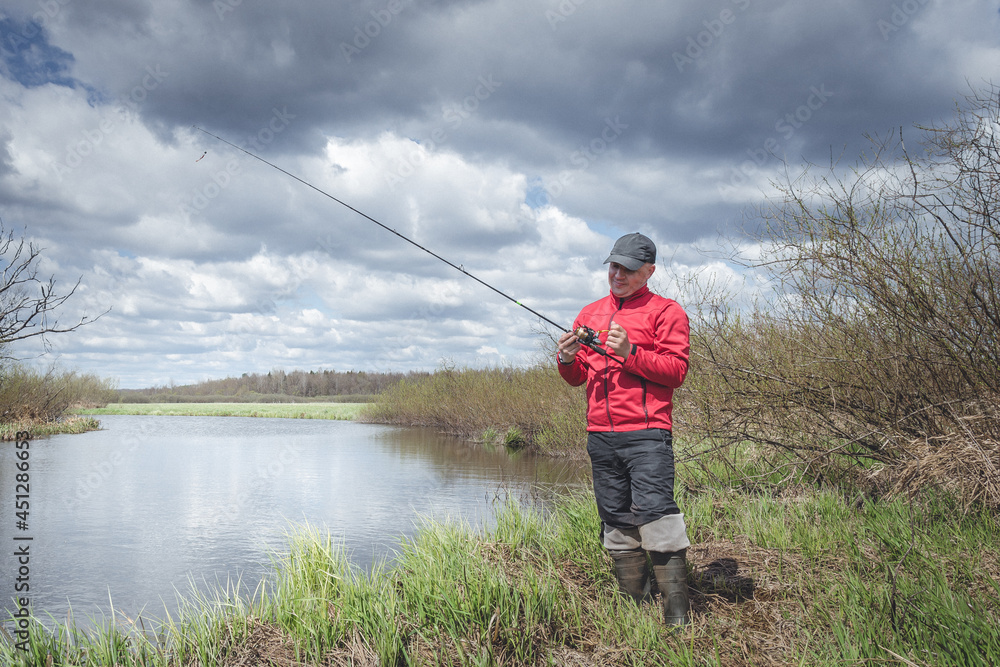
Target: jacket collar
[{"x": 641, "y": 292}]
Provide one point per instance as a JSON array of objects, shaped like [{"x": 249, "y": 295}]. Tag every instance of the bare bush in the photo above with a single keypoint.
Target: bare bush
[
  {"x": 27, "y": 310},
  {"x": 28, "y": 302},
  {"x": 878, "y": 349}
]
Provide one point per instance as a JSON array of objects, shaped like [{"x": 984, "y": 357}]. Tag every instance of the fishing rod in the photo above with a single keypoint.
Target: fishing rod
[{"x": 585, "y": 335}]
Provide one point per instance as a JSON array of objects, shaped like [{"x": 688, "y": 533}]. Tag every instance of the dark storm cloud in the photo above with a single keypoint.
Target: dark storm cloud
[
  {"x": 708, "y": 79},
  {"x": 6, "y": 162},
  {"x": 516, "y": 138}
]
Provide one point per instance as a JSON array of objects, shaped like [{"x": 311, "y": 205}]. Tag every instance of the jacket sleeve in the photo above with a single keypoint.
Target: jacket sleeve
[
  {"x": 667, "y": 362},
  {"x": 575, "y": 373}
]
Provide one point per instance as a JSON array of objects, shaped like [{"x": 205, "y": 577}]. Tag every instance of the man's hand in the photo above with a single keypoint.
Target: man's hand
[
  {"x": 569, "y": 345},
  {"x": 618, "y": 341}
]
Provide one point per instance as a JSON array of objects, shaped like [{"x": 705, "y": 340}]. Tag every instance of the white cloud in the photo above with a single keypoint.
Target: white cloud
[{"x": 511, "y": 145}]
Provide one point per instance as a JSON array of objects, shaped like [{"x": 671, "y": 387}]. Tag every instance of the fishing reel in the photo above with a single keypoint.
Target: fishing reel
[{"x": 589, "y": 337}]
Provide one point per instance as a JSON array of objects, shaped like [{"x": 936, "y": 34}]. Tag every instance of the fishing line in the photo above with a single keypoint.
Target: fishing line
[{"x": 586, "y": 335}]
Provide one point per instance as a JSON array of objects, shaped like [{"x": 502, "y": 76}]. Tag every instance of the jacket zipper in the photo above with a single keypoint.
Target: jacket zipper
[
  {"x": 607, "y": 367},
  {"x": 645, "y": 411}
]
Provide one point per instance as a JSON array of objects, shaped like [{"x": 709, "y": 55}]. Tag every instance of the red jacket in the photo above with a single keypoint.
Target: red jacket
[{"x": 639, "y": 393}]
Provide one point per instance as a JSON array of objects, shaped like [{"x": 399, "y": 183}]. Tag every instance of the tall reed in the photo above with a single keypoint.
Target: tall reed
[{"x": 520, "y": 407}]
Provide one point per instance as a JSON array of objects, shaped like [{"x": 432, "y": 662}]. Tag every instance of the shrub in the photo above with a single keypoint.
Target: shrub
[
  {"x": 530, "y": 407},
  {"x": 878, "y": 349},
  {"x": 28, "y": 395}
]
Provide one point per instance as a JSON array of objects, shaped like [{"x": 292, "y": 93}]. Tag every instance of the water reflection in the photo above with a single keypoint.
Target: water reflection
[{"x": 139, "y": 510}]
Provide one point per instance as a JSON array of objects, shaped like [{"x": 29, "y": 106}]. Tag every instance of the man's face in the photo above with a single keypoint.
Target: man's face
[{"x": 624, "y": 282}]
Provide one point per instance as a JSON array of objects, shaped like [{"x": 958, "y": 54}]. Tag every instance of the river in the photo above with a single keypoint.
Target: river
[{"x": 139, "y": 513}]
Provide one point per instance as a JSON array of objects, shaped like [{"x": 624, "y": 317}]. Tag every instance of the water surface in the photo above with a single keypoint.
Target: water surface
[{"x": 142, "y": 510}]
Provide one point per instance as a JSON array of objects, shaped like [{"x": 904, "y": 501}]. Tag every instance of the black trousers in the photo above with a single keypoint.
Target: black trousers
[{"x": 633, "y": 476}]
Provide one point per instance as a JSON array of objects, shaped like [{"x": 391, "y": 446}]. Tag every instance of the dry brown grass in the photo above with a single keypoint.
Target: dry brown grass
[
  {"x": 744, "y": 599},
  {"x": 962, "y": 465},
  {"x": 264, "y": 644}
]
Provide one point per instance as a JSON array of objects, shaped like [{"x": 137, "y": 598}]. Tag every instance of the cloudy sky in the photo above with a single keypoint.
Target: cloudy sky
[{"x": 516, "y": 138}]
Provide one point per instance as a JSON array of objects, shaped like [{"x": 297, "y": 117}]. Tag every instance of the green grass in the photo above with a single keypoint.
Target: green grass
[
  {"x": 862, "y": 581},
  {"x": 346, "y": 411},
  {"x": 782, "y": 571},
  {"x": 804, "y": 576}
]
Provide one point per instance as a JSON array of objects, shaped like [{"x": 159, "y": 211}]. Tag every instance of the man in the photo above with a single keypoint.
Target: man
[{"x": 629, "y": 405}]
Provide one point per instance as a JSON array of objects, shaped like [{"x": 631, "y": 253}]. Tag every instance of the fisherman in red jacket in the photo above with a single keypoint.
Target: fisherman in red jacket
[{"x": 629, "y": 404}]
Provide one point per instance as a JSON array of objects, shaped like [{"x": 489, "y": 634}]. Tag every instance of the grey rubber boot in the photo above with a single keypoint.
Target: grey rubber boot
[
  {"x": 632, "y": 573},
  {"x": 670, "y": 570}
]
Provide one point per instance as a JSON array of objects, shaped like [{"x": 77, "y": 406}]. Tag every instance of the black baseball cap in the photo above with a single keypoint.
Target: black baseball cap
[{"x": 632, "y": 251}]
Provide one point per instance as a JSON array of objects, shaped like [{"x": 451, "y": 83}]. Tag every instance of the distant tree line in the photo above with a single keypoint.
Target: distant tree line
[{"x": 275, "y": 386}]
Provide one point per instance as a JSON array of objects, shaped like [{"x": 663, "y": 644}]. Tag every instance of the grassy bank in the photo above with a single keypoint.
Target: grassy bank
[
  {"x": 37, "y": 401},
  {"x": 282, "y": 410},
  {"x": 530, "y": 408},
  {"x": 133, "y": 396},
  {"x": 800, "y": 576},
  {"x": 71, "y": 424}
]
